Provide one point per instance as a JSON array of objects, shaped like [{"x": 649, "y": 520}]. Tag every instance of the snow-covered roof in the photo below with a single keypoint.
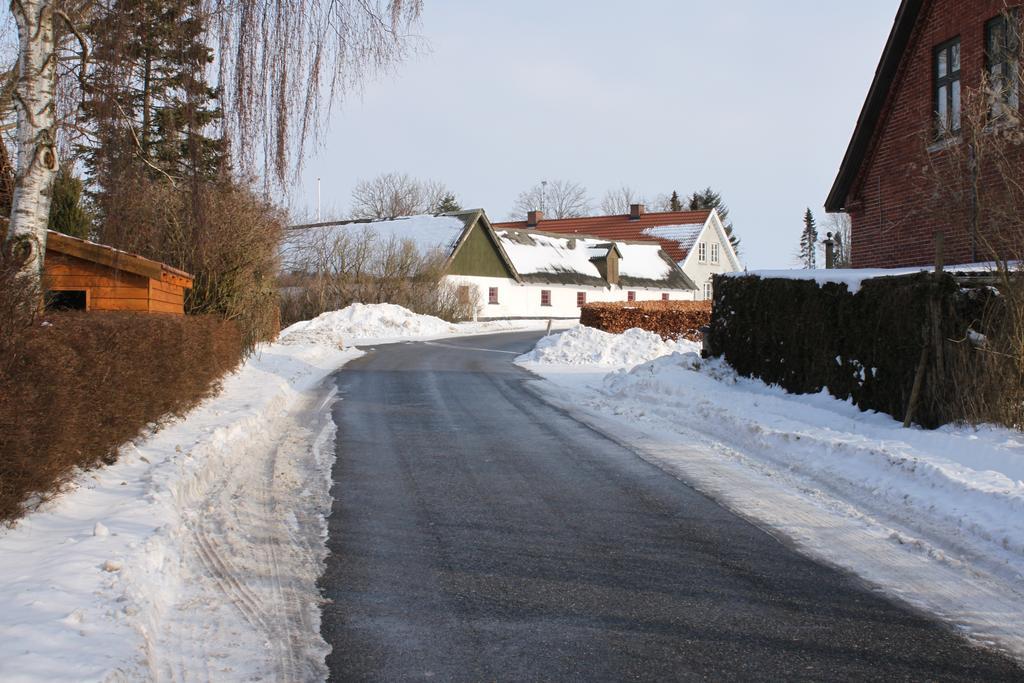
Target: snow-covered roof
[
  {"x": 538, "y": 254},
  {"x": 572, "y": 259},
  {"x": 430, "y": 234},
  {"x": 683, "y": 236}
]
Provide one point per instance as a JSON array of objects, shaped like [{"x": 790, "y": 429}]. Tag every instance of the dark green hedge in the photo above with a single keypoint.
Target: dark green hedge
[{"x": 864, "y": 346}]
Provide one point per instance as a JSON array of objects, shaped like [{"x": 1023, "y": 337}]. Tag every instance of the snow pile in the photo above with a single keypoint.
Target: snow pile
[
  {"x": 195, "y": 555},
  {"x": 589, "y": 346},
  {"x": 365, "y": 323},
  {"x": 934, "y": 517}
]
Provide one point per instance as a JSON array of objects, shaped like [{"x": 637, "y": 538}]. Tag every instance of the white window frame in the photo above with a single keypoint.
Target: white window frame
[
  {"x": 714, "y": 252},
  {"x": 708, "y": 291},
  {"x": 496, "y": 301},
  {"x": 702, "y": 252}
]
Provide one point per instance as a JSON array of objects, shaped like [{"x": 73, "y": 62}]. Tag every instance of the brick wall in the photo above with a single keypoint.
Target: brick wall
[{"x": 893, "y": 207}]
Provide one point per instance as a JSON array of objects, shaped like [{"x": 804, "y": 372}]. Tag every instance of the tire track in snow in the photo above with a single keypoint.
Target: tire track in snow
[{"x": 254, "y": 550}]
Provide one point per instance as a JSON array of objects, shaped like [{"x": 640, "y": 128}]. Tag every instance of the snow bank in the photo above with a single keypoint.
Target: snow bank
[
  {"x": 112, "y": 580},
  {"x": 360, "y": 322},
  {"x": 934, "y": 517},
  {"x": 588, "y": 346}
]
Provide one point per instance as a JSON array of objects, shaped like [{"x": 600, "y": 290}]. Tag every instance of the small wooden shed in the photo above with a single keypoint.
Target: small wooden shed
[{"x": 94, "y": 277}]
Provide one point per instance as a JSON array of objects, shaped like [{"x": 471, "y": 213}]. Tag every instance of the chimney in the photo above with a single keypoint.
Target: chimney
[
  {"x": 635, "y": 211},
  {"x": 533, "y": 218}
]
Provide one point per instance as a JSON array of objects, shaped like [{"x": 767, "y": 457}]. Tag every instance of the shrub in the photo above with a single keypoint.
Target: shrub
[
  {"x": 78, "y": 385},
  {"x": 221, "y": 232},
  {"x": 865, "y": 346},
  {"x": 670, "y": 319}
]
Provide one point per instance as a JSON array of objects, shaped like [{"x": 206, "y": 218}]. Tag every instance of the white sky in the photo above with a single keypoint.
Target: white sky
[{"x": 755, "y": 99}]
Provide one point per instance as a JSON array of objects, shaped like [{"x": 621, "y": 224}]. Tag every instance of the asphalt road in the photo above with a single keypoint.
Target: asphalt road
[{"x": 479, "y": 534}]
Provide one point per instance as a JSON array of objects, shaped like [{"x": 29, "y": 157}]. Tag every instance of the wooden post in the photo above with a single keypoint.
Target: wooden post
[
  {"x": 548, "y": 331},
  {"x": 830, "y": 252}
]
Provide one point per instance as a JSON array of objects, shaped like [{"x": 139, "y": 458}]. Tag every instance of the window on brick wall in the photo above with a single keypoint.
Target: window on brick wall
[
  {"x": 702, "y": 252},
  {"x": 545, "y": 297},
  {"x": 1002, "y": 61},
  {"x": 581, "y": 298},
  {"x": 714, "y": 252},
  {"x": 492, "y": 295},
  {"x": 947, "y": 87},
  {"x": 630, "y": 296}
]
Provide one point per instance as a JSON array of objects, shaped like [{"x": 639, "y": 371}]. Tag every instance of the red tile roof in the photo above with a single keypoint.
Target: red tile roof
[{"x": 622, "y": 227}]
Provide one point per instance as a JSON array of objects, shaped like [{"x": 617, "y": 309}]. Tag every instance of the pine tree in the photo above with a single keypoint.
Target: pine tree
[
  {"x": 809, "y": 242},
  {"x": 709, "y": 199},
  {"x": 67, "y": 215},
  {"x": 446, "y": 204},
  {"x": 674, "y": 203},
  {"x": 147, "y": 98}
]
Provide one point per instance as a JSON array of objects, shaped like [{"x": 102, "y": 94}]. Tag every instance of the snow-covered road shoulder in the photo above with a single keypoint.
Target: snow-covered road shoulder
[
  {"x": 930, "y": 517},
  {"x": 119, "y": 579}
]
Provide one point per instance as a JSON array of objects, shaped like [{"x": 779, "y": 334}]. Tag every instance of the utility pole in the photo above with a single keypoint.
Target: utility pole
[{"x": 318, "y": 200}]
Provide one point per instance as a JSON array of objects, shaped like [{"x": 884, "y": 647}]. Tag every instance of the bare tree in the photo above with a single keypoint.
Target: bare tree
[
  {"x": 281, "y": 66},
  {"x": 839, "y": 225},
  {"x": 556, "y": 198},
  {"x": 619, "y": 200},
  {"x": 397, "y": 194}
]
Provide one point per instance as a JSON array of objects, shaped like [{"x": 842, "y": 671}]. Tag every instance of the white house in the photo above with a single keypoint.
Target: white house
[
  {"x": 695, "y": 240},
  {"x": 517, "y": 273}
]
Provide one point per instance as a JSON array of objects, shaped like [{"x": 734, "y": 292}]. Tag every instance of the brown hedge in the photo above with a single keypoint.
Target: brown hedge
[
  {"x": 75, "y": 386},
  {"x": 670, "y": 319}
]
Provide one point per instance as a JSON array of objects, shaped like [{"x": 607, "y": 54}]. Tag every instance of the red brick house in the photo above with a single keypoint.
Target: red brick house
[{"x": 937, "y": 52}]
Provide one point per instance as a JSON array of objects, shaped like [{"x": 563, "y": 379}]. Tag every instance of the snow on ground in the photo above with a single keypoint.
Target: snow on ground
[
  {"x": 933, "y": 518},
  {"x": 370, "y": 324},
  {"x": 196, "y": 555},
  {"x": 588, "y": 346}
]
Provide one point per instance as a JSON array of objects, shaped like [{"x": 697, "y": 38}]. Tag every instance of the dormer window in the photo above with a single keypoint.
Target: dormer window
[
  {"x": 947, "y": 88},
  {"x": 1002, "y": 61},
  {"x": 702, "y": 252}
]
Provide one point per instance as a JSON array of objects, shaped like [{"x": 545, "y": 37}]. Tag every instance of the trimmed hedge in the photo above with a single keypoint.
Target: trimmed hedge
[
  {"x": 76, "y": 386},
  {"x": 864, "y": 346},
  {"x": 670, "y": 319}
]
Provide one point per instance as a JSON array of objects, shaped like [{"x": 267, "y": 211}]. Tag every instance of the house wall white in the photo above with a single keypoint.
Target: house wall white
[
  {"x": 523, "y": 300},
  {"x": 701, "y": 264}
]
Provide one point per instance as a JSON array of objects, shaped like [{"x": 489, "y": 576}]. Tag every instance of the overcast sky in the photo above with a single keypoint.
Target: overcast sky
[{"x": 756, "y": 99}]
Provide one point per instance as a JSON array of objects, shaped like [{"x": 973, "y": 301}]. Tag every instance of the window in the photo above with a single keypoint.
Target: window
[
  {"x": 702, "y": 252},
  {"x": 707, "y": 290},
  {"x": 947, "y": 87},
  {"x": 714, "y": 252},
  {"x": 492, "y": 295},
  {"x": 630, "y": 296},
  {"x": 581, "y": 298},
  {"x": 545, "y": 297},
  {"x": 664, "y": 296},
  {"x": 1002, "y": 61},
  {"x": 66, "y": 300}
]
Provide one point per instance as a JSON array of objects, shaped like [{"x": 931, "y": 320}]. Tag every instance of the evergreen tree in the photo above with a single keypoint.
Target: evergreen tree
[
  {"x": 809, "y": 242},
  {"x": 709, "y": 199},
  {"x": 446, "y": 204},
  {"x": 147, "y": 99},
  {"x": 674, "y": 203},
  {"x": 67, "y": 215}
]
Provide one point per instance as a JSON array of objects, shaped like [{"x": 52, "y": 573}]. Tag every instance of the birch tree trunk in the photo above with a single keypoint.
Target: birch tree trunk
[{"x": 36, "y": 139}]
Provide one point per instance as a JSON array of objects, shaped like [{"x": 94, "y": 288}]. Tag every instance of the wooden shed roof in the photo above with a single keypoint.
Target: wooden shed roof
[{"x": 116, "y": 258}]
